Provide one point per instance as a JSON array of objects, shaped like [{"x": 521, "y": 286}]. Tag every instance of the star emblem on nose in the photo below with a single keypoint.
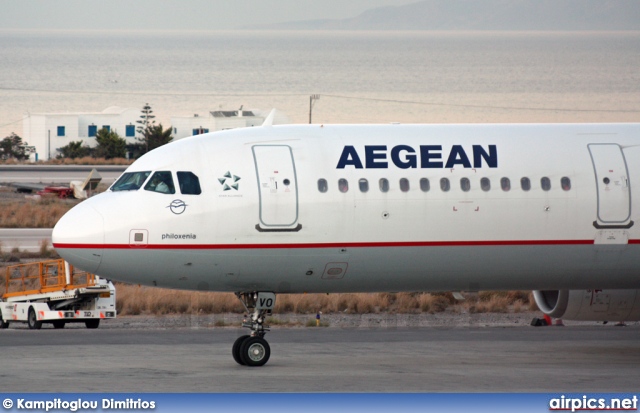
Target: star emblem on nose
[{"x": 229, "y": 181}]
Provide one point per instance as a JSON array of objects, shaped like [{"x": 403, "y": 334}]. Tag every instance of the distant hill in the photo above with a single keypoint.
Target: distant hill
[{"x": 538, "y": 15}]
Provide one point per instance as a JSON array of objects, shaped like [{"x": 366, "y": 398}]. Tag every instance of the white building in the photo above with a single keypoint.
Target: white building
[
  {"x": 184, "y": 126},
  {"x": 48, "y": 132}
]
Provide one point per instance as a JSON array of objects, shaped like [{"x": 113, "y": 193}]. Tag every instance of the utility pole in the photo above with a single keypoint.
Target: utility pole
[{"x": 312, "y": 99}]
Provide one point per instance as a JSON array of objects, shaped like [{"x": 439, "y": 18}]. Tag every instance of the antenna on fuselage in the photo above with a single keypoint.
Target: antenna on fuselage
[{"x": 268, "y": 121}]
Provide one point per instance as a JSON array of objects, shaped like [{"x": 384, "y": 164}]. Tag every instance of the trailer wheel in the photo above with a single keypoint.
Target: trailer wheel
[
  {"x": 3, "y": 324},
  {"x": 32, "y": 320},
  {"x": 58, "y": 324},
  {"x": 92, "y": 323}
]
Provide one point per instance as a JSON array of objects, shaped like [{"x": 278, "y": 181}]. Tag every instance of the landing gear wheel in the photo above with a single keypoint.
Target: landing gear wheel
[
  {"x": 58, "y": 324},
  {"x": 32, "y": 320},
  {"x": 92, "y": 323},
  {"x": 236, "y": 349},
  {"x": 255, "y": 351}
]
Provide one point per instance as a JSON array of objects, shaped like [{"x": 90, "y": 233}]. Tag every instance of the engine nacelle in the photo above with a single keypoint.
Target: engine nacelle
[{"x": 590, "y": 305}]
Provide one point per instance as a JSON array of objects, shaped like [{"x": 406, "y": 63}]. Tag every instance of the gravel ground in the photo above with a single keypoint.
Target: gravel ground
[
  {"x": 9, "y": 194},
  {"x": 337, "y": 320}
]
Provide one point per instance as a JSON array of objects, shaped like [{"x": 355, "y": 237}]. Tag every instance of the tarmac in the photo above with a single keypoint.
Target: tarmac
[
  {"x": 128, "y": 357},
  {"x": 48, "y": 174},
  {"x": 25, "y": 239}
]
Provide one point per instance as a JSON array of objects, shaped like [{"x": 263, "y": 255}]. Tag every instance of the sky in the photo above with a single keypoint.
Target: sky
[{"x": 173, "y": 14}]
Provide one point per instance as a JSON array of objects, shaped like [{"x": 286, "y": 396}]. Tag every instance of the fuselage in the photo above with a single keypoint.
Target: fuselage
[{"x": 360, "y": 208}]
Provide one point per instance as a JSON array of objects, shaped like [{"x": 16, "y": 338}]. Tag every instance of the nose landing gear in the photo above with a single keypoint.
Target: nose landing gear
[{"x": 253, "y": 350}]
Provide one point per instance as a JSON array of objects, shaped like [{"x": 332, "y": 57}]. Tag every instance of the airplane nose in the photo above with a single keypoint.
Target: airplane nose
[{"x": 79, "y": 237}]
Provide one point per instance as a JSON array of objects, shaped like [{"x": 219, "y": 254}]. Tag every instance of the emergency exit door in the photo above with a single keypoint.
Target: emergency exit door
[
  {"x": 277, "y": 186},
  {"x": 612, "y": 182}
]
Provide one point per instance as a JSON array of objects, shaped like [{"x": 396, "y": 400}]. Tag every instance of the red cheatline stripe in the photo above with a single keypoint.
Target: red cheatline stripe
[{"x": 329, "y": 245}]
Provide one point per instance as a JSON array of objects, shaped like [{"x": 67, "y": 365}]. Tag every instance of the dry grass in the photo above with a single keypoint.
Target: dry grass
[
  {"x": 349, "y": 303},
  {"x": 435, "y": 303},
  {"x": 497, "y": 304},
  {"x": 33, "y": 214},
  {"x": 46, "y": 249},
  {"x": 135, "y": 300},
  {"x": 500, "y": 302}
]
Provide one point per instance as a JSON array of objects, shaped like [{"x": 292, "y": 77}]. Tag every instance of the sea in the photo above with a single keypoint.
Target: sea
[{"x": 358, "y": 77}]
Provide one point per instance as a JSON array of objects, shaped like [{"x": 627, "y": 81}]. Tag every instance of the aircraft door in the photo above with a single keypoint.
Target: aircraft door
[
  {"x": 612, "y": 182},
  {"x": 278, "y": 188}
]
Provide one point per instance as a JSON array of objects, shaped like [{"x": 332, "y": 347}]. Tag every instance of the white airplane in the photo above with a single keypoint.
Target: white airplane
[{"x": 376, "y": 208}]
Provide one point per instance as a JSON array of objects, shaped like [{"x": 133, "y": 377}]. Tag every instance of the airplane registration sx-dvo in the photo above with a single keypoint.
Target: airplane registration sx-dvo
[{"x": 376, "y": 208}]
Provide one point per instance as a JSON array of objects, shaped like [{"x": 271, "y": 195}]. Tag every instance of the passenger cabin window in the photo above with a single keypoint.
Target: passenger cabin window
[
  {"x": 465, "y": 184},
  {"x": 161, "y": 182},
  {"x": 130, "y": 181},
  {"x": 323, "y": 186},
  {"x": 425, "y": 186},
  {"x": 525, "y": 183},
  {"x": 485, "y": 184},
  {"x": 545, "y": 183},
  {"x": 565, "y": 182},
  {"x": 505, "y": 184},
  {"x": 363, "y": 184},
  {"x": 189, "y": 183},
  {"x": 445, "y": 185},
  {"x": 384, "y": 185},
  {"x": 343, "y": 185},
  {"x": 404, "y": 185}
]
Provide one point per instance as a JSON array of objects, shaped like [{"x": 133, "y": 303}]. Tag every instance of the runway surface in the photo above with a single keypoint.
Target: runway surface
[
  {"x": 25, "y": 239},
  {"x": 462, "y": 359},
  {"x": 47, "y": 174}
]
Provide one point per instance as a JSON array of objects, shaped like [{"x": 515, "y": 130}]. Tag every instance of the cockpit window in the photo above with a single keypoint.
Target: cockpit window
[
  {"x": 162, "y": 182},
  {"x": 189, "y": 183},
  {"x": 130, "y": 181}
]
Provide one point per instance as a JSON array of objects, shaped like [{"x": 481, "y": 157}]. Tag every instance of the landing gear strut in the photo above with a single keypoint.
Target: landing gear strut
[{"x": 253, "y": 350}]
